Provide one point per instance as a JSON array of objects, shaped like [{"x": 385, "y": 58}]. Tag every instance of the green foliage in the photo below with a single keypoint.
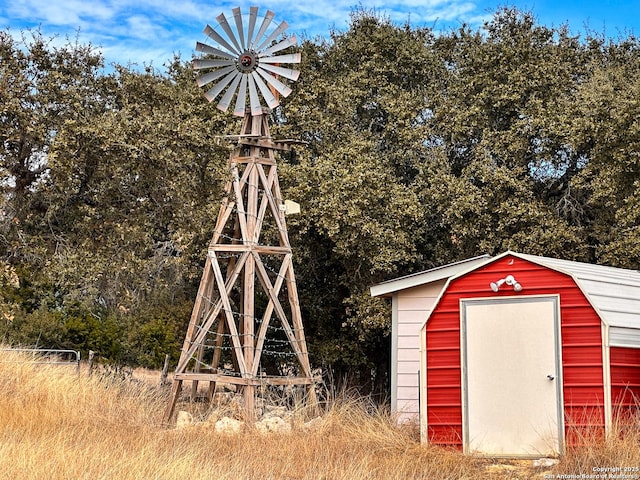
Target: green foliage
[
  {"x": 147, "y": 172},
  {"x": 131, "y": 338},
  {"x": 606, "y": 128},
  {"x": 41, "y": 328},
  {"x": 486, "y": 209},
  {"x": 159, "y": 331},
  {"x": 9, "y": 284}
]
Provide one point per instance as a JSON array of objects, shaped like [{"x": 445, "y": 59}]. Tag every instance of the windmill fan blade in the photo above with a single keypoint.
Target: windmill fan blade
[
  {"x": 225, "y": 101},
  {"x": 281, "y": 28},
  {"x": 287, "y": 42},
  {"x": 213, "y": 35},
  {"x": 272, "y": 101},
  {"x": 204, "y": 48},
  {"x": 200, "y": 64},
  {"x": 211, "y": 76},
  {"x": 282, "y": 89},
  {"x": 290, "y": 58},
  {"x": 222, "y": 21},
  {"x": 217, "y": 89},
  {"x": 237, "y": 16},
  {"x": 263, "y": 28},
  {"x": 241, "y": 99},
  {"x": 256, "y": 108},
  {"x": 283, "y": 72},
  {"x": 253, "y": 16}
]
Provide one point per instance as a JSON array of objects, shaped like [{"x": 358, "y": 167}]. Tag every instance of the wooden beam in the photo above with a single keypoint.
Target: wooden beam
[
  {"x": 215, "y": 362},
  {"x": 248, "y": 289},
  {"x": 196, "y": 312},
  {"x": 242, "y": 215},
  {"x": 267, "y": 143},
  {"x": 283, "y": 221},
  {"x": 196, "y": 368},
  {"x": 296, "y": 317},
  {"x": 264, "y": 249},
  {"x": 251, "y": 159},
  {"x": 286, "y": 380},
  {"x": 263, "y": 205},
  {"x": 213, "y": 377},
  {"x": 223, "y": 216},
  {"x": 252, "y": 381},
  {"x": 173, "y": 398}
]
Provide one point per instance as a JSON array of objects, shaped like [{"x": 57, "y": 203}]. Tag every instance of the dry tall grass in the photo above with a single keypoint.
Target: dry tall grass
[
  {"x": 56, "y": 424},
  {"x": 616, "y": 457}
]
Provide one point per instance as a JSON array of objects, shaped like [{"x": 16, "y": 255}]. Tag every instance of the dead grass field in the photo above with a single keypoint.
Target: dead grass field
[{"x": 57, "y": 424}]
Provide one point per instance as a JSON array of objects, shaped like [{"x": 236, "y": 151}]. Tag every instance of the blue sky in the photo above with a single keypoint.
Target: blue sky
[{"x": 147, "y": 32}]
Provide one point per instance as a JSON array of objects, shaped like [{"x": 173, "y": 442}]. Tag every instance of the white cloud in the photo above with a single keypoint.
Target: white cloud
[
  {"x": 72, "y": 12},
  {"x": 143, "y": 27},
  {"x": 150, "y": 31}
]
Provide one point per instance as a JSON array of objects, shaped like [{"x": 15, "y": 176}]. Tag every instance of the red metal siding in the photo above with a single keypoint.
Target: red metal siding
[
  {"x": 581, "y": 348},
  {"x": 625, "y": 381}
]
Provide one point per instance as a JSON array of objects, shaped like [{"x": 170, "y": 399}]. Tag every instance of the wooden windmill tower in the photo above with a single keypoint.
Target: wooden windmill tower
[{"x": 247, "y": 310}]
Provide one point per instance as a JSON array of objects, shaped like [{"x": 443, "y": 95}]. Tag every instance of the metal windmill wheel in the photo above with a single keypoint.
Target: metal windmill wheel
[{"x": 243, "y": 64}]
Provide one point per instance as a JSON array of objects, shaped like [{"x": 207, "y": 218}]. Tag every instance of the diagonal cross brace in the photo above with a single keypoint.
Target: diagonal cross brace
[
  {"x": 273, "y": 298},
  {"x": 206, "y": 325},
  {"x": 268, "y": 312}
]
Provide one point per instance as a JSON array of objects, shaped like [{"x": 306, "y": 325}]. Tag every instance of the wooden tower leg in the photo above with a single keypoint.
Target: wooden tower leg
[
  {"x": 173, "y": 398},
  {"x": 205, "y": 286}
]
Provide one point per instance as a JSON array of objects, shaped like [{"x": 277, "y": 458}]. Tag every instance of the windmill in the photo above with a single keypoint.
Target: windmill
[{"x": 246, "y": 327}]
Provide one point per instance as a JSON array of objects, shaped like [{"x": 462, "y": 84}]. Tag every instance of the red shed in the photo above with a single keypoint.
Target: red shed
[{"x": 524, "y": 355}]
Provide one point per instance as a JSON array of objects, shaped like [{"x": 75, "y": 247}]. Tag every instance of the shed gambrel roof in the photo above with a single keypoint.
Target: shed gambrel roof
[
  {"x": 386, "y": 289},
  {"x": 613, "y": 292}
]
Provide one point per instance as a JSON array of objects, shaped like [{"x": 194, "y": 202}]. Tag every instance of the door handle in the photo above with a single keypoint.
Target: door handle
[{"x": 551, "y": 377}]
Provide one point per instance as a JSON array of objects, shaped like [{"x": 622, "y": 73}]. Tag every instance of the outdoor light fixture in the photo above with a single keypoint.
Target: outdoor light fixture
[
  {"x": 495, "y": 286},
  {"x": 509, "y": 280}
]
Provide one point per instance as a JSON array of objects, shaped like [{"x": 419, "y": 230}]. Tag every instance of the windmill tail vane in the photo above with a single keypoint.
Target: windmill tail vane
[{"x": 242, "y": 63}]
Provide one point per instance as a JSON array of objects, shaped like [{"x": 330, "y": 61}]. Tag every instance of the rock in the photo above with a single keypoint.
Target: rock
[
  {"x": 228, "y": 425},
  {"x": 273, "y": 425},
  {"x": 273, "y": 411},
  {"x": 545, "y": 462},
  {"x": 184, "y": 419},
  {"x": 312, "y": 424},
  {"x": 500, "y": 468}
]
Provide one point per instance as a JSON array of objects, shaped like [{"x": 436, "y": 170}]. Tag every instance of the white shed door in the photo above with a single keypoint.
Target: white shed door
[{"x": 511, "y": 376}]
